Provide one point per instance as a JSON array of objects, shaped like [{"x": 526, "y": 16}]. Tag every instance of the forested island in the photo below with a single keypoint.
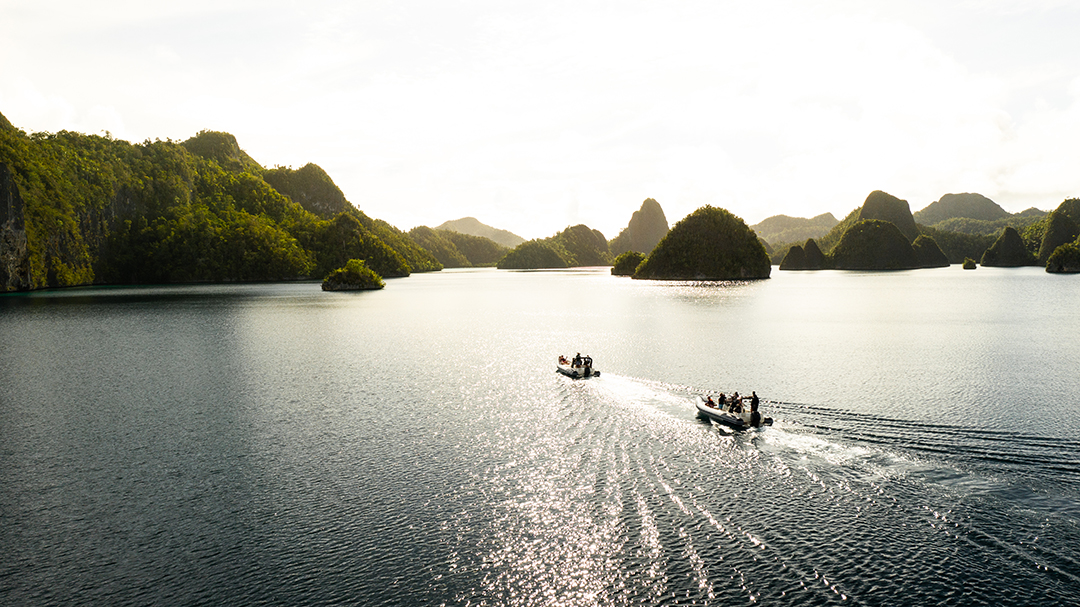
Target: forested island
[
  {"x": 85, "y": 209},
  {"x": 883, "y": 234}
]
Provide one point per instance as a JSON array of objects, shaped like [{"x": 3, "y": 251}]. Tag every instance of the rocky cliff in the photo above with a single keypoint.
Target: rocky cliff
[
  {"x": 14, "y": 256},
  {"x": 879, "y": 205},
  {"x": 647, "y": 226},
  {"x": 1008, "y": 251}
]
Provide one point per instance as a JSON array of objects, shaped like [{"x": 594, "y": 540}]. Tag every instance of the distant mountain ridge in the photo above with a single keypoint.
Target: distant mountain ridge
[
  {"x": 781, "y": 229},
  {"x": 473, "y": 227},
  {"x": 968, "y": 205}
]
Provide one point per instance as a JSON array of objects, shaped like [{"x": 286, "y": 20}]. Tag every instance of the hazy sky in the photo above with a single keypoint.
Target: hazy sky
[{"x": 532, "y": 116}]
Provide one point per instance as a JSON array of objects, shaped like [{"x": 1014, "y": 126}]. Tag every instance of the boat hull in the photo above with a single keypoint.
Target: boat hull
[{"x": 577, "y": 372}]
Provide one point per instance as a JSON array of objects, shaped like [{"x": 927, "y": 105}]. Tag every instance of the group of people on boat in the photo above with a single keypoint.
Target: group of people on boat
[
  {"x": 735, "y": 405},
  {"x": 578, "y": 361}
]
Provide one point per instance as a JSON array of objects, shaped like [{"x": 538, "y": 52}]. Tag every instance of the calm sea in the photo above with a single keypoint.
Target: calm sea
[{"x": 275, "y": 444}]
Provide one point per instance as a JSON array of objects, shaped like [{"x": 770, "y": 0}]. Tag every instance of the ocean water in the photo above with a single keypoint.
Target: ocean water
[{"x": 275, "y": 444}]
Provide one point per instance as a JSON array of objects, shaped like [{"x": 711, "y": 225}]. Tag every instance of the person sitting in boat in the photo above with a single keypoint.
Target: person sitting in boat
[
  {"x": 577, "y": 360},
  {"x": 709, "y": 402},
  {"x": 736, "y": 403},
  {"x": 563, "y": 361}
]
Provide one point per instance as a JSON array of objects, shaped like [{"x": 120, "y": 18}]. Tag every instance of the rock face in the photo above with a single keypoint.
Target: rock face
[
  {"x": 967, "y": 205},
  {"x": 928, "y": 254},
  {"x": 14, "y": 256},
  {"x": 886, "y": 207},
  {"x": 805, "y": 257},
  {"x": 472, "y": 226},
  {"x": 709, "y": 244},
  {"x": 1008, "y": 251},
  {"x": 815, "y": 259},
  {"x": 1060, "y": 229},
  {"x": 647, "y": 226},
  {"x": 1065, "y": 259},
  {"x": 795, "y": 259},
  {"x": 874, "y": 244}
]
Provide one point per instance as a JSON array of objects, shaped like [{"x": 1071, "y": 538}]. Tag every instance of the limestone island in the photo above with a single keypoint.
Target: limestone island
[
  {"x": 355, "y": 276},
  {"x": 708, "y": 244}
]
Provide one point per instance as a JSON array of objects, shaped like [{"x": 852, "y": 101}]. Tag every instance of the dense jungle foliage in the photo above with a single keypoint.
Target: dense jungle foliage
[
  {"x": 355, "y": 276},
  {"x": 627, "y": 263},
  {"x": 573, "y": 247},
  {"x": 708, "y": 244},
  {"x": 99, "y": 210}
]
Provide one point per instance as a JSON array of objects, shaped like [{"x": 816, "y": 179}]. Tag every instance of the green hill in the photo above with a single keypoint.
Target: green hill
[
  {"x": 874, "y": 244},
  {"x": 879, "y": 205},
  {"x": 782, "y": 230},
  {"x": 533, "y": 255},
  {"x": 473, "y": 227},
  {"x": 436, "y": 243},
  {"x": 1008, "y": 251},
  {"x": 956, "y": 206},
  {"x": 478, "y": 250},
  {"x": 573, "y": 247},
  {"x": 311, "y": 187},
  {"x": 86, "y": 209},
  {"x": 708, "y": 244}
]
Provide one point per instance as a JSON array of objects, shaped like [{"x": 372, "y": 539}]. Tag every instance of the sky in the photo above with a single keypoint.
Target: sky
[{"x": 534, "y": 116}]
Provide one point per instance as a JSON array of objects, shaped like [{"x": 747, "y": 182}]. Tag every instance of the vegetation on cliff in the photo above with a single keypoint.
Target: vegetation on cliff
[
  {"x": 355, "y": 276},
  {"x": 647, "y": 226},
  {"x": 874, "y": 244},
  {"x": 627, "y": 263},
  {"x": 928, "y": 254},
  {"x": 1060, "y": 228},
  {"x": 781, "y": 231},
  {"x": 1065, "y": 259},
  {"x": 533, "y": 255},
  {"x": 480, "y": 251},
  {"x": 966, "y": 205},
  {"x": 886, "y": 207},
  {"x": 456, "y": 250},
  {"x": 436, "y": 243},
  {"x": 1008, "y": 251},
  {"x": 94, "y": 209},
  {"x": 575, "y": 246},
  {"x": 708, "y": 244},
  {"x": 805, "y": 257},
  {"x": 311, "y": 187}
]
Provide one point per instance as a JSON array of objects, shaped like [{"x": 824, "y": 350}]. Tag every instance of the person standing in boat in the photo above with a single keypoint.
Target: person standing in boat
[
  {"x": 755, "y": 417},
  {"x": 736, "y": 403}
]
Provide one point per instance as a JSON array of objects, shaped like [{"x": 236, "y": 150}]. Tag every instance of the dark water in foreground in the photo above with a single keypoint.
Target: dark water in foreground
[{"x": 274, "y": 444}]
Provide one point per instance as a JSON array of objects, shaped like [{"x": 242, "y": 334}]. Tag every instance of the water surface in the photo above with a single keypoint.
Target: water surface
[{"x": 277, "y": 444}]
